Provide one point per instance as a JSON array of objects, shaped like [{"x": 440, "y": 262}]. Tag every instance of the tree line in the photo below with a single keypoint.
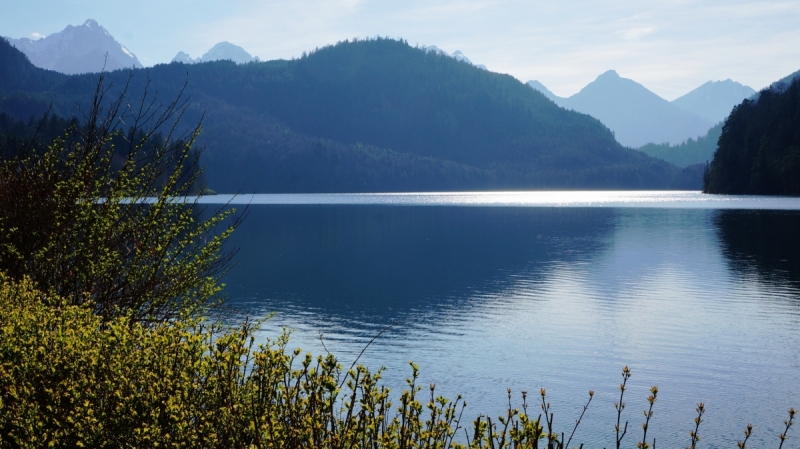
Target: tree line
[{"x": 759, "y": 147}]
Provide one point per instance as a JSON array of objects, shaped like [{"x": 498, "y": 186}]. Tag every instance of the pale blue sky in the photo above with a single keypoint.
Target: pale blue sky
[{"x": 670, "y": 46}]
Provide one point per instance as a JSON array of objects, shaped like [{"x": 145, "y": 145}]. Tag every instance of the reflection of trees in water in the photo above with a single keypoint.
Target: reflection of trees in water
[
  {"x": 761, "y": 242},
  {"x": 367, "y": 259}
]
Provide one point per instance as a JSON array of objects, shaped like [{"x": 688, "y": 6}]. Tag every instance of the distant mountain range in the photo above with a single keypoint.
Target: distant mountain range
[
  {"x": 221, "y": 52},
  {"x": 636, "y": 115},
  {"x": 714, "y": 100},
  {"x": 365, "y": 116},
  {"x": 86, "y": 48},
  {"x": 701, "y": 150}
]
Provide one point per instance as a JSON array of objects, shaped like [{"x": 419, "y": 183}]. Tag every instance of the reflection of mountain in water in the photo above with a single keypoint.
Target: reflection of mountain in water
[
  {"x": 764, "y": 242},
  {"x": 356, "y": 260}
]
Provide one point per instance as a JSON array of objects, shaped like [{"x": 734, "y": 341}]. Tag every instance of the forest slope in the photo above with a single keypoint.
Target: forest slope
[
  {"x": 376, "y": 115},
  {"x": 759, "y": 149}
]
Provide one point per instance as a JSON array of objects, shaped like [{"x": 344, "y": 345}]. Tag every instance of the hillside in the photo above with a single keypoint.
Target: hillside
[
  {"x": 759, "y": 149},
  {"x": 689, "y": 152},
  {"x": 367, "y": 116}
]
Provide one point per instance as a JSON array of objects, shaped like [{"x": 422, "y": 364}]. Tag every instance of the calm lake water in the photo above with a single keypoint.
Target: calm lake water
[{"x": 698, "y": 294}]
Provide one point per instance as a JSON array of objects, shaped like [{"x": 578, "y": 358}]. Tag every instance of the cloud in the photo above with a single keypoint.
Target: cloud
[
  {"x": 636, "y": 33},
  {"x": 36, "y": 35}
]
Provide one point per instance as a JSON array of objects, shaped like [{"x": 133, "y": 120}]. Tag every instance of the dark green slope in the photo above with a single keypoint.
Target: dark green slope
[
  {"x": 378, "y": 115},
  {"x": 690, "y": 152},
  {"x": 759, "y": 149}
]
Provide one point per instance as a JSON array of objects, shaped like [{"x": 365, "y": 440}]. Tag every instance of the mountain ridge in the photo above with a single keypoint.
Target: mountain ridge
[
  {"x": 714, "y": 100},
  {"x": 222, "y": 51},
  {"x": 373, "y": 115},
  {"x": 635, "y": 114},
  {"x": 87, "y": 48}
]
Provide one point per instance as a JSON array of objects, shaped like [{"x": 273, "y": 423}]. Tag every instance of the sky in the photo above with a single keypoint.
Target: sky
[{"x": 669, "y": 46}]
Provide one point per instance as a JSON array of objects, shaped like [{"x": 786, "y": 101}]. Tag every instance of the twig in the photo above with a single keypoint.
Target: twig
[
  {"x": 695, "y": 437},
  {"x": 648, "y": 414},
  {"x": 788, "y": 424},
  {"x": 365, "y": 348},
  {"x": 747, "y": 432},
  {"x": 578, "y": 421},
  {"x": 626, "y": 374}
]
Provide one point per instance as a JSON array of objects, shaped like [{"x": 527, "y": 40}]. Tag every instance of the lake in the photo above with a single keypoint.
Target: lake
[{"x": 698, "y": 294}]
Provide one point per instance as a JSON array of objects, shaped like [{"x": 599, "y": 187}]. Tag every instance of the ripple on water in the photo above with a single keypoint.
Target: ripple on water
[{"x": 646, "y": 287}]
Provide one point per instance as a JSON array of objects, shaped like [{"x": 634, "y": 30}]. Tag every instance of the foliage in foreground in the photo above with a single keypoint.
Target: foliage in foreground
[
  {"x": 69, "y": 379},
  {"x": 93, "y": 215}
]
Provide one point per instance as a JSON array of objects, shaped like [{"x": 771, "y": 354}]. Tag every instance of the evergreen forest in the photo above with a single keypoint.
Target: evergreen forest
[
  {"x": 359, "y": 116},
  {"x": 759, "y": 148},
  {"x": 690, "y": 152}
]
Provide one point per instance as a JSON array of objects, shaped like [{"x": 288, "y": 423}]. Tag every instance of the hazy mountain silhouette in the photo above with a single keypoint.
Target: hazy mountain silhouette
[
  {"x": 702, "y": 149},
  {"x": 86, "y": 48},
  {"x": 636, "y": 115},
  {"x": 714, "y": 100},
  {"x": 545, "y": 91},
  {"x": 223, "y": 51}
]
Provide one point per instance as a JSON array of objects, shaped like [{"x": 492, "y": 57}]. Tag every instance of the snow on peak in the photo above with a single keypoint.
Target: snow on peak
[
  {"x": 221, "y": 51},
  {"x": 457, "y": 55},
  {"x": 78, "y": 49}
]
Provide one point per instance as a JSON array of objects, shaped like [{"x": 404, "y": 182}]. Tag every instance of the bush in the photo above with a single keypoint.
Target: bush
[
  {"x": 97, "y": 215},
  {"x": 69, "y": 379}
]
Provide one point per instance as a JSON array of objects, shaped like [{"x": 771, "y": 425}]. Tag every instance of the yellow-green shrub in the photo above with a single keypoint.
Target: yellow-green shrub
[{"x": 68, "y": 379}]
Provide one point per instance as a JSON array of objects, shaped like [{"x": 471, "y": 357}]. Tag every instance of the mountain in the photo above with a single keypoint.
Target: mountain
[
  {"x": 636, "y": 115},
  {"x": 714, "y": 100},
  {"x": 536, "y": 85},
  {"x": 221, "y": 52},
  {"x": 87, "y": 48},
  {"x": 457, "y": 55},
  {"x": 701, "y": 150},
  {"x": 366, "y": 115},
  {"x": 759, "y": 149}
]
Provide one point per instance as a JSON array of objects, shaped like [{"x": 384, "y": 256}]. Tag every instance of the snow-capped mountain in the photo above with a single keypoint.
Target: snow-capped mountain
[
  {"x": 222, "y": 51},
  {"x": 457, "y": 55},
  {"x": 85, "y": 48}
]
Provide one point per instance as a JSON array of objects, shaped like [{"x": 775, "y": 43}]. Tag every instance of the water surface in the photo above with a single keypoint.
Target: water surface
[{"x": 698, "y": 294}]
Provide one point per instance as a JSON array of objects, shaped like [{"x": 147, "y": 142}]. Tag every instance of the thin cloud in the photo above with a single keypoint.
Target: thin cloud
[{"x": 670, "y": 46}]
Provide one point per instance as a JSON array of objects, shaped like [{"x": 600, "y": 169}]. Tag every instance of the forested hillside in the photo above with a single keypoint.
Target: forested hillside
[
  {"x": 689, "y": 152},
  {"x": 759, "y": 149},
  {"x": 375, "y": 115}
]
